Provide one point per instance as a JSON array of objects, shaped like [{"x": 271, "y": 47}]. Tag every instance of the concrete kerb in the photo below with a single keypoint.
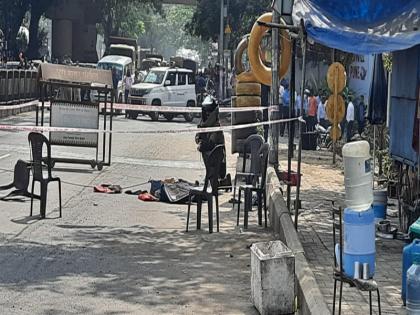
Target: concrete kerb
[
  {"x": 310, "y": 298},
  {"x": 5, "y": 111}
]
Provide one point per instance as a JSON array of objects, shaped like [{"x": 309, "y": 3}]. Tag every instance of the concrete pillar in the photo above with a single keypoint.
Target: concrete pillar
[
  {"x": 84, "y": 42},
  {"x": 62, "y": 38}
]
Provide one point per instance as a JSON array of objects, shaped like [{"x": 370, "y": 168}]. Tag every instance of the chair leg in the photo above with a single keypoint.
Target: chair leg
[
  {"x": 265, "y": 206},
  {"x": 247, "y": 206},
  {"x": 259, "y": 197},
  {"x": 44, "y": 190},
  {"x": 199, "y": 206},
  {"x": 370, "y": 302},
  {"x": 234, "y": 193},
  {"x": 217, "y": 211},
  {"x": 210, "y": 212},
  {"x": 188, "y": 212},
  {"x": 239, "y": 206},
  {"x": 32, "y": 197},
  {"x": 379, "y": 302},
  {"x": 334, "y": 296},
  {"x": 59, "y": 196},
  {"x": 233, "y": 200},
  {"x": 340, "y": 296}
]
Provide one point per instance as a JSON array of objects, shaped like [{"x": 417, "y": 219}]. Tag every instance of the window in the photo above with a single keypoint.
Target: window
[
  {"x": 171, "y": 77},
  {"x": 109, "y": 66},
  {"x": 155, "y": 77},
  {"x": 191, "y": 78},
  {"x": 182, "y": 78}
]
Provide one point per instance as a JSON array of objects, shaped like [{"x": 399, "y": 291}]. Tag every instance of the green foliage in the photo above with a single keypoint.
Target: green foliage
[
  {"x": 387, "y": 58},
  {"x": 165, "y": 31},
  {"x": 205, "y": 22},
  {"x": 125, "y": 17},
  {"x": 12, "y": 13}
]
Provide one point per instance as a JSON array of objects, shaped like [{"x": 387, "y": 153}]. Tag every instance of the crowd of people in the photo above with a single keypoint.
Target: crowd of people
[{"x": 314, "y": 110}]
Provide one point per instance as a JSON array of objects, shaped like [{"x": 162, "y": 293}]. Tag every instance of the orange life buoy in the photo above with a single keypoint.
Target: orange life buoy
[
  {"x": 261, "y": 71},
  {"x": 242, "y": 46},
  {"x": 247, "y": 76}
]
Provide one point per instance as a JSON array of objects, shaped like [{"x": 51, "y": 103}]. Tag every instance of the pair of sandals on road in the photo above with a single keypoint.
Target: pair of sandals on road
[
  {"x": 107, "y": 189},
  {"x": 116, "y": 189}
]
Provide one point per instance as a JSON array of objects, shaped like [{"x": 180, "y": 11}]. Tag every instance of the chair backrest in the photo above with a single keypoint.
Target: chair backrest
[
  {"x": 213, "y": 161},
  {"x": 264, "y": 163},
  {"x": 337, "y": 216},
  {"x": 37, "y": 141},
  {"x": 21, "y": 175},
  {"x": 252, "y": 147}
]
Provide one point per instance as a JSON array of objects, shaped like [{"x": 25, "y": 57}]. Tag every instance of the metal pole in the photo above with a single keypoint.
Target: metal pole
[
  {"x": 291, "y": 124},
  {"x": 388, "y": 103},
  {"x": 297, "y": 201},
  {"x": 334, "y": 141},
  {"x": 221, "y": 44},
  {"x": 374, "y": 155},
  {"x": 274, "y": 148}
]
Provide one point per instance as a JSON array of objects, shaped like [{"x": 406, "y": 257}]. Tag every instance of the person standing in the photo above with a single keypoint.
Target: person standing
[
  {"x": 281, "y": 88},
  {"x": 200, "y": 87},
  {"x": 285, "y": 98},
  {"x": 305, "y": 103},
  {"x": 350, "y": 119},
  {"x": 321, "y": 113},
  {"x": 361, "y": 112},
  {"x": 128, "y": 83},
  {"x": 115, "y": 83},
  {"x": 298, "y": 102},
  {"x": 312, "y": 112}
]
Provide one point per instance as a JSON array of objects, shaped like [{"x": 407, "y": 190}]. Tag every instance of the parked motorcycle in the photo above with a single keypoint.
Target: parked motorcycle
[{"x": 323, "y": 139}]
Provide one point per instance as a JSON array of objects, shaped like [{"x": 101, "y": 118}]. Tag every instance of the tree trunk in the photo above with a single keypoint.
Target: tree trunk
[
  {"x": 33, "y": 47},
  {"x": 14, "y": 21}
]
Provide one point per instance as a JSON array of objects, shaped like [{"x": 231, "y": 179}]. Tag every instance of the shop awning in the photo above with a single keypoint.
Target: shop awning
[{"x": 361, "y": 26}]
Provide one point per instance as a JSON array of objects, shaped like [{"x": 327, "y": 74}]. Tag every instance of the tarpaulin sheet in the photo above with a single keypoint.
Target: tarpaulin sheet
[
  {"x": 404, "y": 93},
  {"x": 378, "y": 94},
  {"x": 361, "y": 26}
]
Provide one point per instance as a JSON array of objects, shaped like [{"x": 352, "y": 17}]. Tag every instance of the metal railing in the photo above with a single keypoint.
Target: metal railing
[{"x": 18, "y": 86}]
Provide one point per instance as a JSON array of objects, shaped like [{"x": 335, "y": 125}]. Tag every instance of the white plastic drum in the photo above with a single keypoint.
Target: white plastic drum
[{"x": 358, "y": 175}]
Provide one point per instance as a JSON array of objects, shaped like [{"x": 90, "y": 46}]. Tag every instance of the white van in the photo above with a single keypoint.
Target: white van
[
  {"x": 121, "y": 65},
  {"x": 164, "y": 86}
]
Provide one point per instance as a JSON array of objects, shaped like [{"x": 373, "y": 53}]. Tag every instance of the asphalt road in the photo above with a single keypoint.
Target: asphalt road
[{"x": 114, "y": 254}]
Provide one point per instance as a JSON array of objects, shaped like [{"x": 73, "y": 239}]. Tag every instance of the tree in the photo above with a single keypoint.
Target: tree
[
  {"x": 37, "y": 10},
  {"x": 12, "y": 13},
  {"x": 165, "y": 31},
  {"x": 125, "y": 19},
  {"x": 205, "y": 22}
]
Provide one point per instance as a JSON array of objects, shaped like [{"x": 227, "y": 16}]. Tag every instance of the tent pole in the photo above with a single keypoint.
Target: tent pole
[
  {"x": 291, "y": 124},
  {"x": 374, "y": 154},
  {"x": 302, "y": 90},
  {"x": 275, "y": 97},
  {"x": 334, "y": 141}
]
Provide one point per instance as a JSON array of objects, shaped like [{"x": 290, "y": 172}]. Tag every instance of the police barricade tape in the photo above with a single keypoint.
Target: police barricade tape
[
  {"x": 157, "y": 109},
  {"x": 186, "y": 130},
  {"x": 177, "y": 109}
]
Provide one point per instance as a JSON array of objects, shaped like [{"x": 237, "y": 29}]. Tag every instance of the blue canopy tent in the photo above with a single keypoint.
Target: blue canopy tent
[
  {"x": 361, "y": 26},
  {"x": 373, "y": 27}
]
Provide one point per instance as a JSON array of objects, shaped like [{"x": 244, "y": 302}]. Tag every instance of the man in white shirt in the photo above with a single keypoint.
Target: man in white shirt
[
  {"x": 321, "y": 113},
  {"x": 350, "y": 119},
  {"x": 128, "y": 83}
]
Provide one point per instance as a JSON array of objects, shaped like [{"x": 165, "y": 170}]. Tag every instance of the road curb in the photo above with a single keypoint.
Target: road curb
[
  {"x": 310, "y": 298},
  {"x": 10, "y": 110}
]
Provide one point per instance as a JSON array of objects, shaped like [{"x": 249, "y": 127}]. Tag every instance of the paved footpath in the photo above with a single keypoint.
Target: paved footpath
[
  {"x": 113, "y": 254},
  {"x": 321, "y": 183}
]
